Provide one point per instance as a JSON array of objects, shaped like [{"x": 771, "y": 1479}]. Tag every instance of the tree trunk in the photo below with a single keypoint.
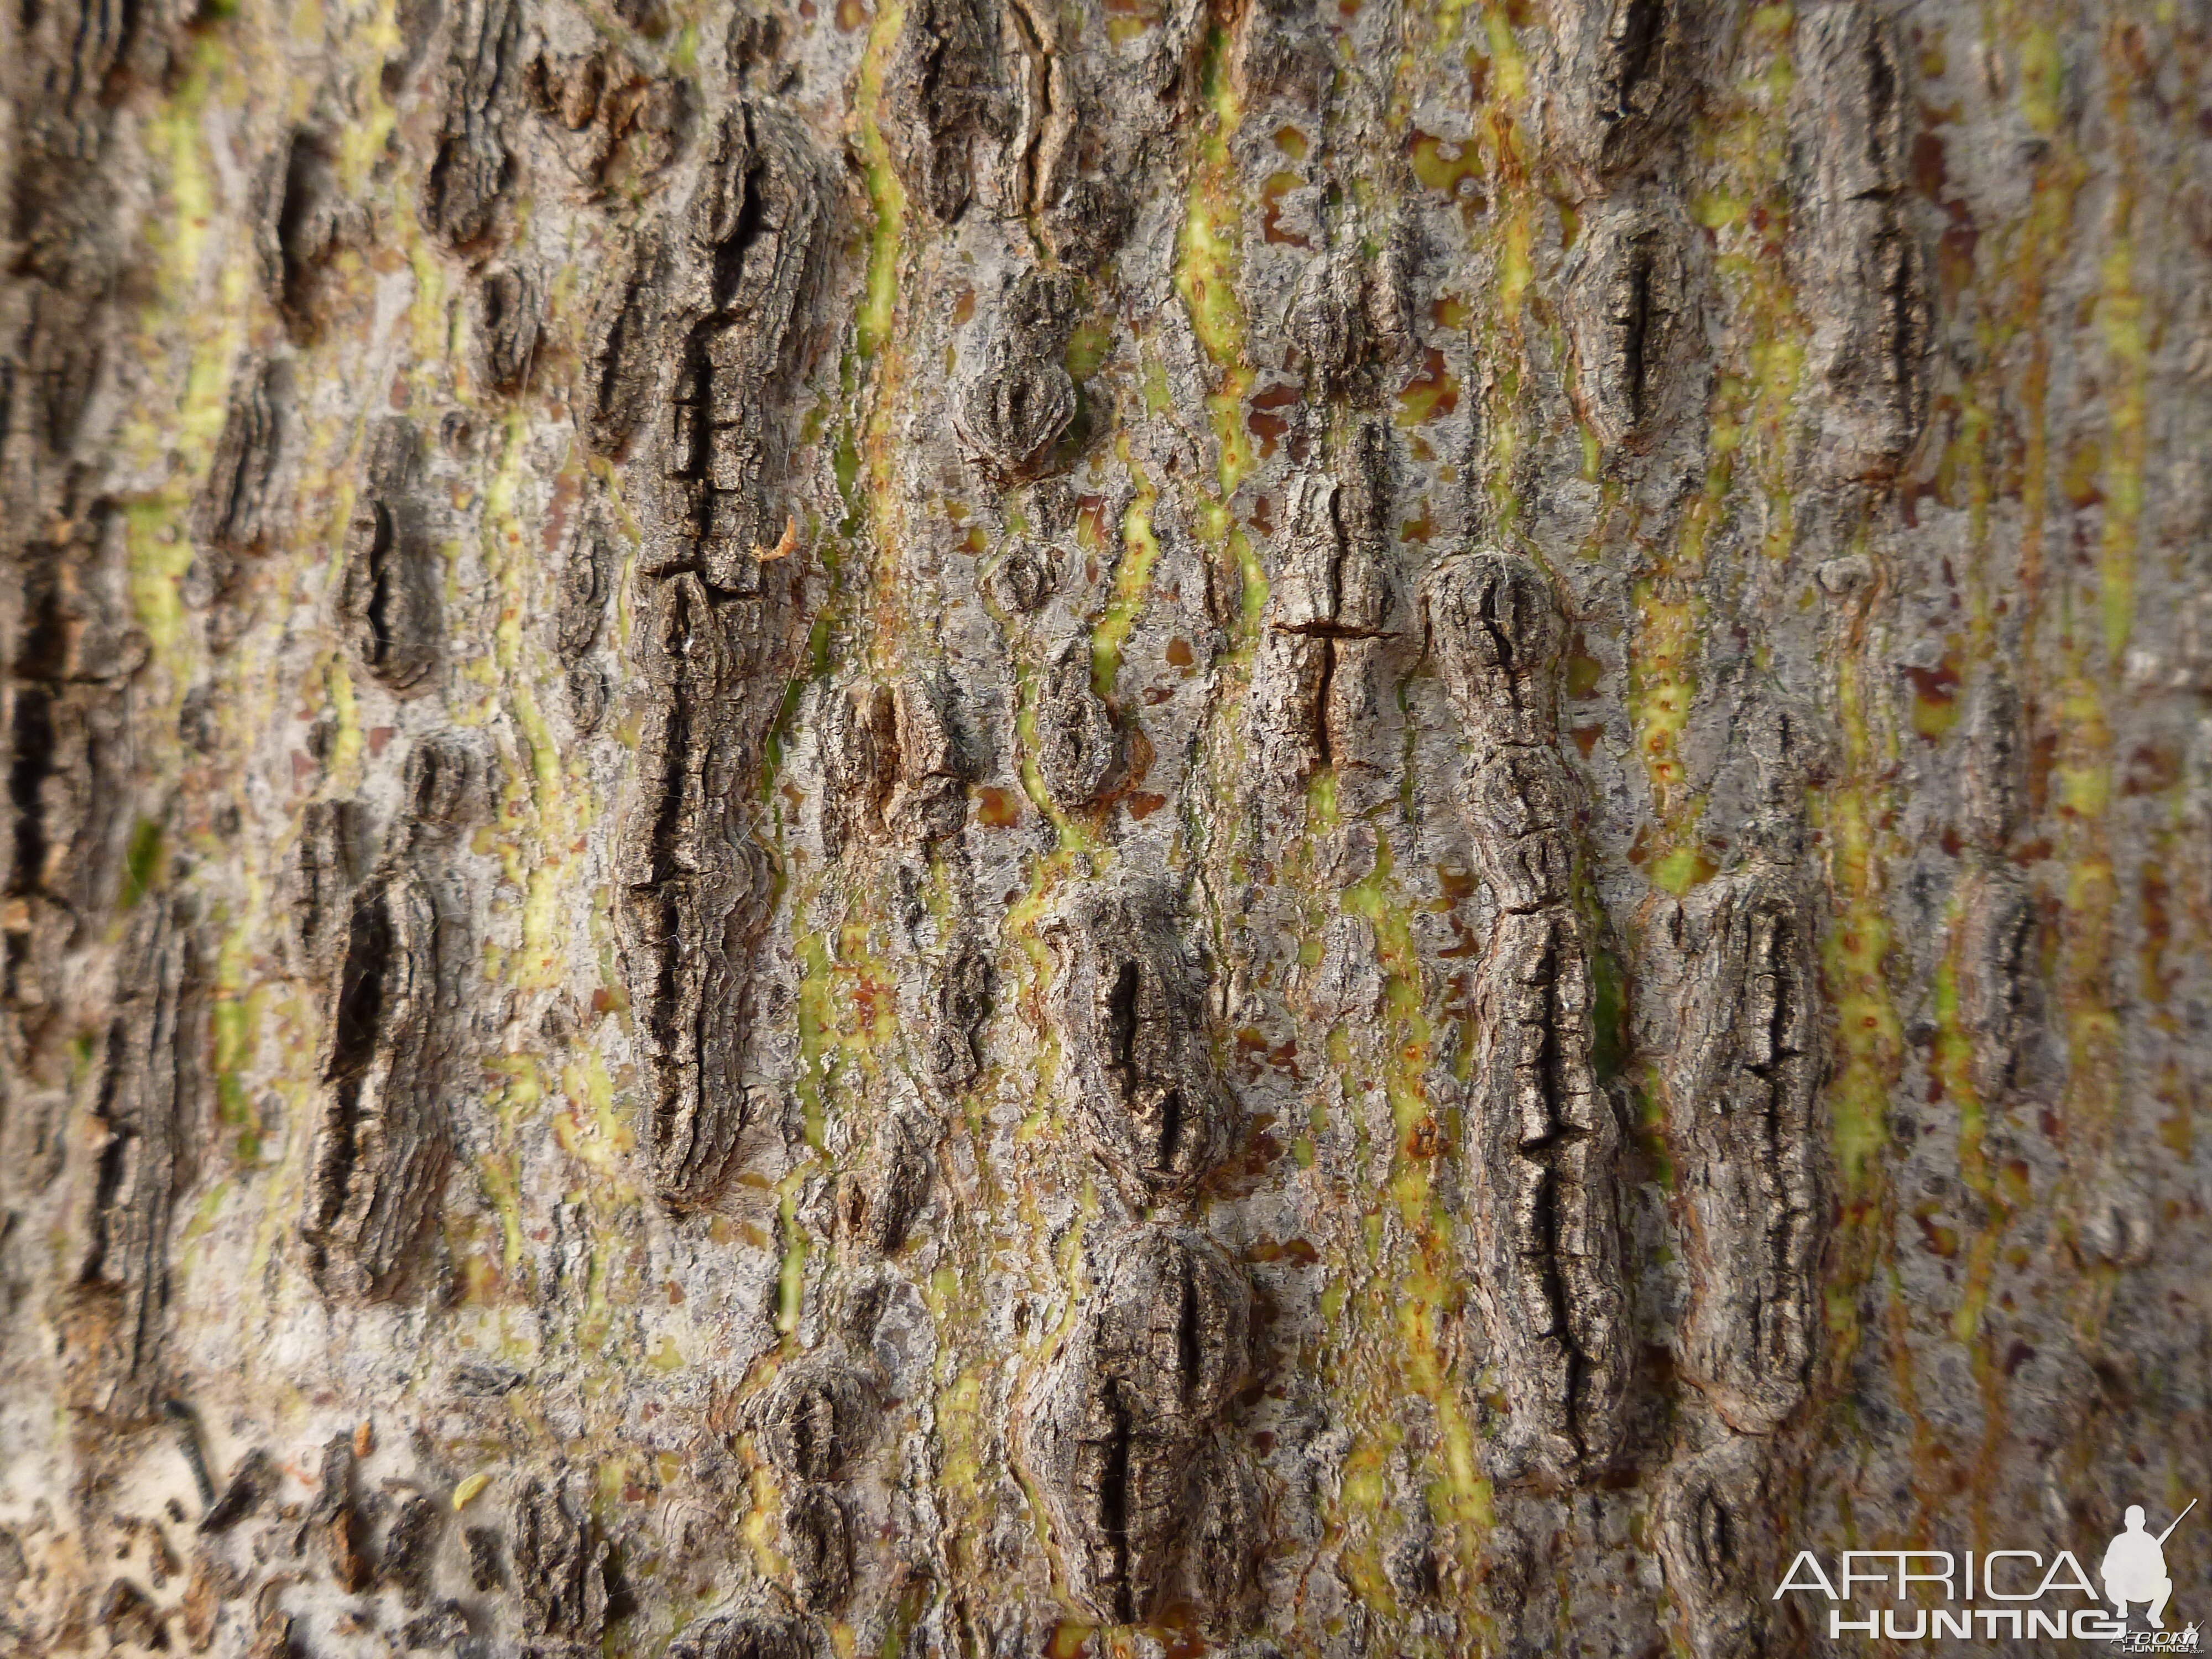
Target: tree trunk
[{"x": 1103, "y": 828}]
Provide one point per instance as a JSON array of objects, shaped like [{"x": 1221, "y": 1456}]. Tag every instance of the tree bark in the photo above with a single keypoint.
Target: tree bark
[{"x": 1121, "y": 829}]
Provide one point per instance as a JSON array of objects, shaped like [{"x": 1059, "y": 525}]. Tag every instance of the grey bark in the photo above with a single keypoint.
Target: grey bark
[{"x": 1128, "y": 828}]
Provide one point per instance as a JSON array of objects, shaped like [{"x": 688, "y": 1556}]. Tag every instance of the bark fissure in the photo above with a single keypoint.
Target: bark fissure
[{"x": 982, "y": 828}]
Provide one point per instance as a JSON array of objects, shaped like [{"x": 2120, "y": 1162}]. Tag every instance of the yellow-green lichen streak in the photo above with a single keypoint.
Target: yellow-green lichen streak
[
  {"x": 1132, "y": 585},
  {"x": 1206, "y": 280}
]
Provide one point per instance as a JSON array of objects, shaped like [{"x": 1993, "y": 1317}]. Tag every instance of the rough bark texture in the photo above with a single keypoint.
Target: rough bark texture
[{"x": 1123, "y": 827}]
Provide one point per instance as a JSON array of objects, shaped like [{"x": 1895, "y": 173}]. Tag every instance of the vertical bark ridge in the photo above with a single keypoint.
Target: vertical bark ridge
[{"x": 962, "y": 829}]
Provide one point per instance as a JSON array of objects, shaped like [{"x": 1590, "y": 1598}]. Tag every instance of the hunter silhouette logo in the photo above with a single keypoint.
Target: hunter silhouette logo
[{"x": 2135, "y": 1566}]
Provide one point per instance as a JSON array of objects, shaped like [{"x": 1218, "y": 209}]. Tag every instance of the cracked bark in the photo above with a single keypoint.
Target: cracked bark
[{"x": 985, "y": 830}]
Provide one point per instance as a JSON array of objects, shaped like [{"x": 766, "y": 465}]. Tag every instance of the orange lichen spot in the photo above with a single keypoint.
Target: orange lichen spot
[
  {"x": 1278, "y": 186},
  {"x": 1267, "y": 426}
]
